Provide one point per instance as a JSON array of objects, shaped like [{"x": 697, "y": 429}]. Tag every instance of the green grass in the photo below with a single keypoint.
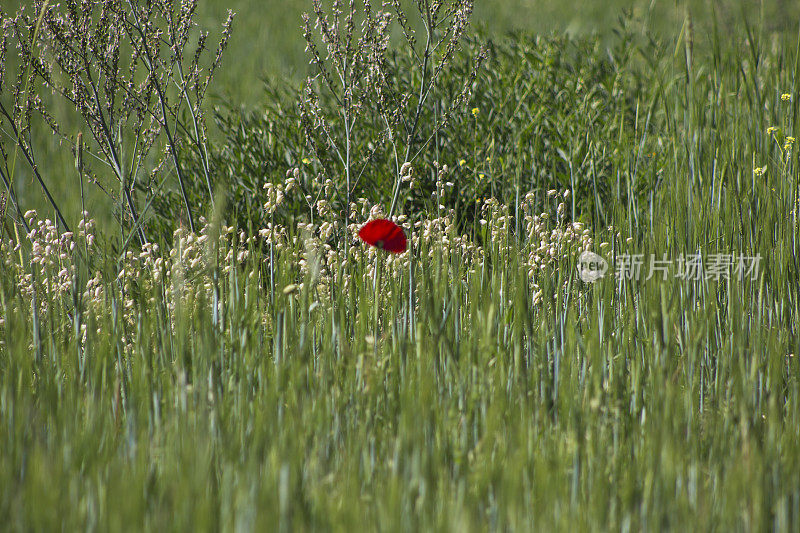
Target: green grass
[{"x": 466, "y": 393}]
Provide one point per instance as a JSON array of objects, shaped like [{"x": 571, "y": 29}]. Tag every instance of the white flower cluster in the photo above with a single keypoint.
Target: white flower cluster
[{"x": 185, "y": 273}]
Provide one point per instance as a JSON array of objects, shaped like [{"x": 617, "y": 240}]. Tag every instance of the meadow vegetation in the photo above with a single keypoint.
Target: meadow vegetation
[{"x": 192, "y": 335}]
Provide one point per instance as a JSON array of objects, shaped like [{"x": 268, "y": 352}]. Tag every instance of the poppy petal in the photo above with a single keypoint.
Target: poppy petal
[{"x": 384, "y": 234}]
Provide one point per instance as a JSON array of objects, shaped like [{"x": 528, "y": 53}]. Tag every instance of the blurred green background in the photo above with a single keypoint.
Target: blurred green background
[{"x": 267, "y": 38}]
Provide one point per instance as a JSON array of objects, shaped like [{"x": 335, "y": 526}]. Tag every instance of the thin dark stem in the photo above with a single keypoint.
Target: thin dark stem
[
  {"x": 201, "y": 147},
  {"x": 115, "y": 160},
  {"x": 148, "y": 60},
  {"x": 32, "y": 163}
]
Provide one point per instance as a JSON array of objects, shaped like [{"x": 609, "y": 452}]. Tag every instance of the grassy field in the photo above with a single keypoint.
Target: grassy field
[{"x": 272, "y": 372}]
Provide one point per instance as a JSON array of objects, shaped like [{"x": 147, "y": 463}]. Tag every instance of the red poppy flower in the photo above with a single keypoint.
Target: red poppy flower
[{"x": 384, "y": 234}]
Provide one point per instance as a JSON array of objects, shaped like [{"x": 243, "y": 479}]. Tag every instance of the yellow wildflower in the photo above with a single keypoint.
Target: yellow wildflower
[
  {"x": 786, "y": 97},
  {"x": 306, "y": 161},
  {"x": 475, "y": 111}
]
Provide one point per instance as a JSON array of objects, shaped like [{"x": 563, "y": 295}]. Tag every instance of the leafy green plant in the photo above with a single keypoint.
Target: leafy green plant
[
  {"x": 545, "y": 113},
  {"x": 134, "y": 78}
]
